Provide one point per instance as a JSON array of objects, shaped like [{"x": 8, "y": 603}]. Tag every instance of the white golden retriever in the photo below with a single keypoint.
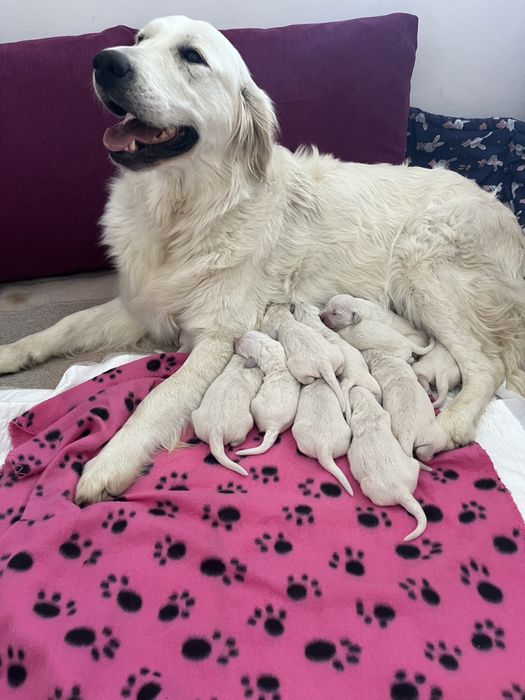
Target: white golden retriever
[{"x": 209, "y": 220}]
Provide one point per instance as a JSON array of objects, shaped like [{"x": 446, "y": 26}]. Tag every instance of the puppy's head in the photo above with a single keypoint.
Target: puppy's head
[
  {"x": 183, "y": 90},
  {"x": 250, "y": 346},
  {"x": 339, "y": 313}
]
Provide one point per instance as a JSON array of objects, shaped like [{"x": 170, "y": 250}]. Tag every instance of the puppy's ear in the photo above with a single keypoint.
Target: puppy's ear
[
  {"x": 356, "y": 318},
  {"x": 250, "y": 362},
  {"x": 254, "y": 130},
  {"x": 273, "y": 335}
]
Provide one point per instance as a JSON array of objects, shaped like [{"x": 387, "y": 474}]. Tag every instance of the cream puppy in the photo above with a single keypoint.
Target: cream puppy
[
  {"x": 320, "y": 430},
  {"x": 224, "y": 415},
  {"x": 440, "y": 369},
  {"x": 309, "y": 356},
  {"x": 412, "y": 416},
  {"x": 386, "y": 474},
  {"x": 275, "y": 405}
]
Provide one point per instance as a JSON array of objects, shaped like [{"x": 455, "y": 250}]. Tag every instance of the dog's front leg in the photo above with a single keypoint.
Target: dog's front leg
[{"x": 158, "y": 422}]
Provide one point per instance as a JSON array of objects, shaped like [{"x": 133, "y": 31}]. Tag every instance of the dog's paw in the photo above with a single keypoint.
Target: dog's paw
[
  {"x": 101, "y": 480},
  {"x": 458, "y": 431},
  {"x": 12, "y": 360}
]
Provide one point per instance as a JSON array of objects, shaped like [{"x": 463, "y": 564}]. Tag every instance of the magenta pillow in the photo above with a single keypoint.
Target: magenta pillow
[{"x": 343, "y": 86}]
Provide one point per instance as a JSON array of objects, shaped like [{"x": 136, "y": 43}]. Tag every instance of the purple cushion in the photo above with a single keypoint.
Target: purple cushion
[{"x": 343, "y": 86}]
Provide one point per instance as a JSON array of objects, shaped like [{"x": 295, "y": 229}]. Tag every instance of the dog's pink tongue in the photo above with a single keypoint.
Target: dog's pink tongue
[{"x": 120, "y": 136}]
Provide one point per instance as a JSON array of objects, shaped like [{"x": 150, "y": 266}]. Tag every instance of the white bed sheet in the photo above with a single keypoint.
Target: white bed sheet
[{"x": 501, "y": 432}]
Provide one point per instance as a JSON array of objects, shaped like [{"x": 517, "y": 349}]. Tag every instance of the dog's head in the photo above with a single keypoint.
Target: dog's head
[
  {"x": 182, "y": 89},
  {"x": 340, "y": 312}
]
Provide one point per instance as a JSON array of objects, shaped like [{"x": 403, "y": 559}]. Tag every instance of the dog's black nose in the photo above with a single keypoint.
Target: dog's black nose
[{"x": 110, "y": 66}]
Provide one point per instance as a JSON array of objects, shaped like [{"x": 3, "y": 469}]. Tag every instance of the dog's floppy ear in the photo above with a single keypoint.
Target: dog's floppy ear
[
  {"x": 356, "y": 318},
  {"x": 254, "y": 129},
  {"x": 250, "y": 362}
]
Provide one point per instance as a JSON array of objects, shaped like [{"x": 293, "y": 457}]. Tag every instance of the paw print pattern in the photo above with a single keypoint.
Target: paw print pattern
[
  {"x": 226, "y": 517},
  {"x": 131, "y": 402},
  {"x": 15, "y": 667},
  {"x": 268, "y": 475},
  {"x": 12, "y": 515},
  {"x": 19, "y": 562},
  {"x": 325, "y": 651},
  {"x": 382, "y": 613},
  {"x": 298, "y": 590},
  {"x": 200, "y": 648},
  {"x": 486, "y": 636},
  {"x": 175, "y": 482},
  {"x": 155, "y": 364},
  {"x": 59, "y": 694},
  {"x": 479, "y": 572},
  {"x": 87, "y": 637},
  {"x": 470, "y": 512},
  {"x": 215, "y": 567},
  {"x": 146, "y": 684},
  {"x": 434, "y": 513},
  {"x": 354, "y": 562},
  {"x": 507, "y": 545},
  {"x": 427, "y": 594},
  {"x": 52, "y": 606},
  {"x": 370, "y": 517},
  {"x": 309, "y": 489},
  {"x": 117, "y": 522},
  {"x": 448, "y": 658},
  {"x": 279, "y": 544},
  {"x": 403, "y": 688},
  {"x": 266, "y": 685},
  {"x": 169, "y": 550},
  {"x": 444, "y": 475},
  {"x": 177, "y": 605},
  {"x": 300, "y": 514},
  {"x": 425, "y": 550},
  {"x": 73, "y": 548},
  {"x": 489, "y": 485},
  {"x": 231, "y": 488},
  {"x": 273, "y": 620},
  {"x": 128, "y": 600},
  {"x": 515, "y": 693},
  {"x": 53, "y": 438},
  {"x": 164, "y": 509},
  {"x": 111, "y": 373}
]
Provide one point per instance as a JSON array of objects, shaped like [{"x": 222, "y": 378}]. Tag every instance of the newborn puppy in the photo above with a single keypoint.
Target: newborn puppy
[
  {"x": 438, "y": 368},
  {"x": 275, "y": 405},
  {"x": 387, "y": 475},
  {"x": 224, "y": 415},
  {"x": 356, "y": 371},
  {"x": 355, "y": 309},
  {"x": 320, "y": 430},
  {"x": 412, "y": 416},
  {"x": 309, "y": 355}
]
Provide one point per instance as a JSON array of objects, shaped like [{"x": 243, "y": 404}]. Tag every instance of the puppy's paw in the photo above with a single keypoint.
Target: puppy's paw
[
  {"x": 13, "y": 360},
  {"x": 458, "y": 431}
]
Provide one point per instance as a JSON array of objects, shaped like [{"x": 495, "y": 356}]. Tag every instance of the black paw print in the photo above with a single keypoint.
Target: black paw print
[
  {"x": 200, "y": 648},
  {"x": 405, "y": 689},
  {"x": 382, "y": 613},
  {"x": 216, "y": 568},
  {"x": 73, "y": 548},
  {"x": 267, "y": 687},
  {"x": 506, "y": 545},
  {"x": 164, "y": 509},
  {"x": 298, "y": 590},
  {"x": 268, "y": 475},
  {"x": 170, "y": 362},
  {"x": 280, "y": 544},
  {"x": 426, "y": 592},
  {"x": 489, "y": 485},
  {"x": 231, "y": 487},
  {"x": 273, "y": 620},
  {"x": 308, "y": 488},
  {"x": 425, "y": 550},
  {"x": 52, "y": 606},
  {"x": 470, "y": 512},
  {"x": 486, "y": 636},
  {"x": 178, "y": 605},
  {"x": 434, "y": 513},
  {"x": 24, "y": 466},
  {"x": 20, "y": 562},
  {"x": 486, "y": 589},
  {"x": 369, "y": 517},
  {"x": 169, "y": 550},
  {"x": 301, "y": 513},
  {"x": 131, "y": 402},
  {"x": 87, "y": 637},
  {"x": 226, "y": 517},
  {"x": 354, "y": 563},
  {"x": 515, "y": 693},
  {"x": 53, "y": 438},
  {"x": 28, "y": 419},
  {"x": 127, "y": 599},
  {"x": 59, "y": 694},
  {"x": 146, "y": 683},
  {"x": 177, "y": 482},
  {"x": 15, "y": 664},
  {"x": 13, "y": 515},
  {"x": 325, "y": 650},
  {"x": 448, "y": 658},
  {"x": 118, "y": 522},
  {"x": 444, "y": 475}
]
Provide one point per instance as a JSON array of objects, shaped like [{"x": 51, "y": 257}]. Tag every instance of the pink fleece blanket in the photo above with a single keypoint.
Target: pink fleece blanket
[{"x": 199, "y": 584}]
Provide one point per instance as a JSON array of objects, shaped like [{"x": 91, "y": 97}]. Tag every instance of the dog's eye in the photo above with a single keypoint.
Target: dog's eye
[{"x": 192, "y": 56}]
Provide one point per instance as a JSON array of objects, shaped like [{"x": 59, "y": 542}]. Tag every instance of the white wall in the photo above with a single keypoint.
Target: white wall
[{"x": 470, "y": 60}]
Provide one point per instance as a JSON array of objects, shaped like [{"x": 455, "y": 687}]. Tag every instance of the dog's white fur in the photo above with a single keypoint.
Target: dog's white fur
[
  {"x": 320, "y": 430},
  {"x": 275, "y": 405},
  {"x": 309, "y": 355},
  {"x": 412, "y": 416},
  {"x": 205, "y": 240},
  {"x": 440, "y": 369},
  {"x": 386, "y": 474},
  {"x": 224, "y": 415}
]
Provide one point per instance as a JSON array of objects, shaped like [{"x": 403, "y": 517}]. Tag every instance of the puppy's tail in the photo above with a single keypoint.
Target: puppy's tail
[
  {"x": 217, "y": 450},
  {"x": 327, "y": 462},
  {"x": 413, "y": 507},
  {"x": 328, "y": 374},
  {"x": 424, "y": 349},
  {"x": 270, "y": 436}
]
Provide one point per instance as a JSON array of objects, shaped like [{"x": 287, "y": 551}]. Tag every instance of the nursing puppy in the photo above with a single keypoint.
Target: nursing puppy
[
  {"x": 275, "y": 405},
  {"x": 440, "y": 369},
  {"x": 412, "y": 416},
  {"x": 354, "y": 308},
  {"x": 386, "y": 474},
  {"x": 224, "y": 415},
  {"x": 356, "y": 372},
  {"x": 320, "y": 430},
  {"x": 309, "y": 355}
]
